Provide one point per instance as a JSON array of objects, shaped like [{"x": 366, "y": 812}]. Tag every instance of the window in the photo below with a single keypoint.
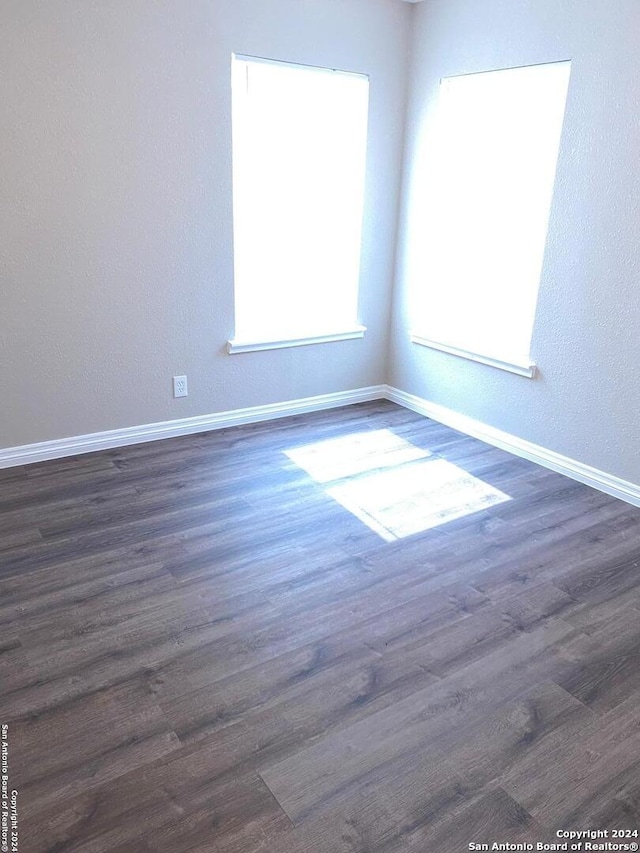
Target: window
[
  {"x": 299, "y": 154},
  {"x": 479, "y": 228}
]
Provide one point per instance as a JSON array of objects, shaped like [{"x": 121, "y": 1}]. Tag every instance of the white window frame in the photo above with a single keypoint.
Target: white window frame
[
  {"x": 246, "y": 337},
  {"x": 435, "y": 268}
]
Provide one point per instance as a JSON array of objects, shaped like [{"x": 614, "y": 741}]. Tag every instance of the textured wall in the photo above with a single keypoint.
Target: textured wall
[
  {"x": 586, "y": 401},
  {"x": 115, "y": 205}
]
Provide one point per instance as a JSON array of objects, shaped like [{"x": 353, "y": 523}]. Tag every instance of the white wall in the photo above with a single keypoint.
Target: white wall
[
  {"x": 586, "y": 402},
  {"x": 115, "y": 213},
  {"x": 115, "y": 205}
]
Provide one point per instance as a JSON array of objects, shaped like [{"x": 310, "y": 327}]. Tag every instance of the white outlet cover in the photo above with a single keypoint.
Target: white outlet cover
[{"x": 180, "y": 387}]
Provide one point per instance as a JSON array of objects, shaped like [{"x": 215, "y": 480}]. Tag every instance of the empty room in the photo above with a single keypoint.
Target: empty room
[{"x": 319, "y": 469}]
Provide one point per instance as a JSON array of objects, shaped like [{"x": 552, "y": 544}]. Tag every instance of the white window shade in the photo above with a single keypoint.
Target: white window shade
[
  {"x": 479, "y": 222},
  {"x": 299, "y": 153}
]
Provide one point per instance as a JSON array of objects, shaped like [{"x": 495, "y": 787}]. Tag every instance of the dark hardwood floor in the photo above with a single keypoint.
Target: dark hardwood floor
[{"x": 202, "y": 650}]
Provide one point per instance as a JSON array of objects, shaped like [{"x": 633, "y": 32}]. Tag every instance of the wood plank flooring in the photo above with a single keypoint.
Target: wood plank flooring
[{"x": 201, "y": 650}]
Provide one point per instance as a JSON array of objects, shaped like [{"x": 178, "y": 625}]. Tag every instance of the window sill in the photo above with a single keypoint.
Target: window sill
[
  {"x": 237, "y": 345},
  {"x": 521, "y": 368}
]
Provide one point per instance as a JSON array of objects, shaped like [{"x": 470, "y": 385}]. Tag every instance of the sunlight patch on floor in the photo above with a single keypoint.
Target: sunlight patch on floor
[
  {"x": 336, "y": 458},
  {"x": 394, "y": 487}
]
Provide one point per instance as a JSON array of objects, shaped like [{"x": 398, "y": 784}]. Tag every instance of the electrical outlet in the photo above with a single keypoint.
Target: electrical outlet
[{"x": 180, "y": 388}]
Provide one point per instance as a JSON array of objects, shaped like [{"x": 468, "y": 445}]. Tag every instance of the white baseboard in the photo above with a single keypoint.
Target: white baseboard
[
  {"x": 608, "y": 483},
  {"x": 29, "y": 453},
  {"x": 42, "y": 451}
]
